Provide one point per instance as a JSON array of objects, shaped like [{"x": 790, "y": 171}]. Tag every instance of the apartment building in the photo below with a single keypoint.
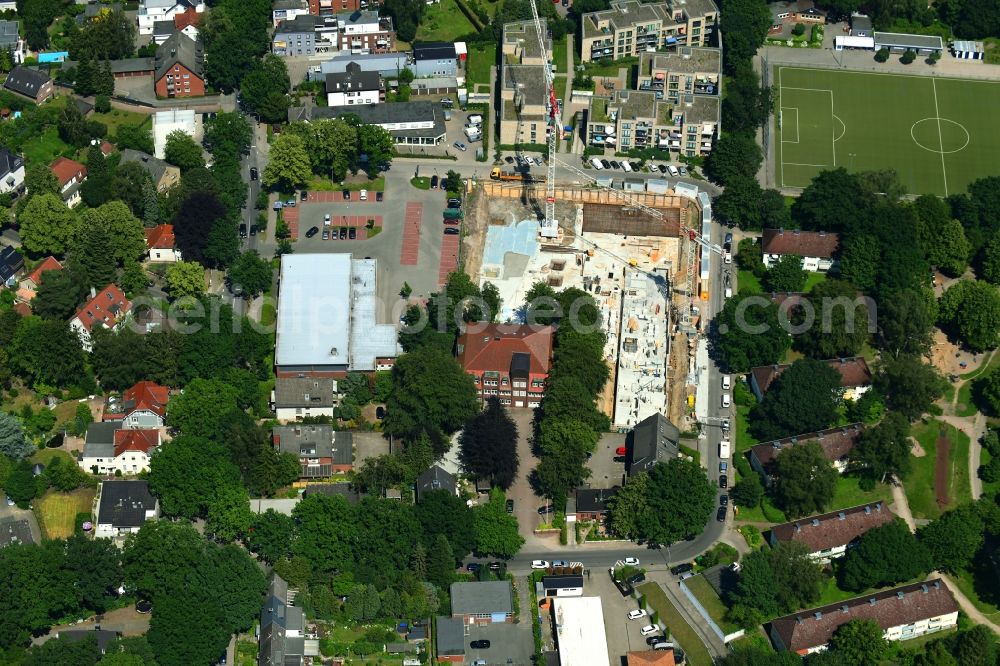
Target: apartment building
[
  {"x": 508, "y": 361},
  {"x": 637, "y": 119},
  {"x": 629, "y": 27},
  {"x": 686, "y": 71},
  {"x": 524, "y": 112},
  {"x": 354, "y": 87},
  {"x": 521, "y": 47},
  {"x": 365, "y": 32}
]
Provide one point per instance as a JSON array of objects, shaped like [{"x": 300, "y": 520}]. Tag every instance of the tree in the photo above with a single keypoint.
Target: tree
[
  {"x": 747, "y": 104},
  {"x": 885, "y": 555},
  {"x": 185, "y": 278},
  {"x": 63, "y": 650},
  {"x": 786, "y": 275},
  {"x": 288, "y": 164},
  {"x": 251, "y": 273},
  {"x": 491, "y": 297},
  {"x": 97, "y": 188},
  {"x": 331, "y": 145},
  {"x": 953, "y": 539},
  {"x": 842, "y": 325},
  {"x": 376, "y": 143},
  {"x": 196, "y": 219},
  {"x": 432, "y": 395},
  {"x": 108, "y": 36},
  {"x": 13, "y": 443},
  {"x": 859, "y": 261},
  {"x": 327, "y": 532},
  {"x": 970, "y": 310},
  {"x": 733, "y": 155},
  {"x": 908, "y": 56},
  {"x": 59, "y": 294},
  {"x": 950, "y": 250},
  {"x": 190, "y": 474},
  {"x": 441, "y": 563},
  {"x": 199, "y": 410},
  {"x": 747, "y": 334},
  {"x": 627, "y": 506},
  {"x": 82, "y": 418},
  {"x": 802, "y": 399},
  {"x": 488, "y": 445},
  {"x": 741, "y": 204},
  {"x": 859, "y": 642},
  {"x": 137, "y": 137},
  {"x": 20, "y": 485},
  {"x": 882, "y": 55},
  {"x": 680, "y": 501},
  {"x": 126, "y": 240},
  {"x": 406, "y": 15},
  {"x": 780, "y": 580},
  {"x": 39, "y": 179},
  {"x": 565, "y": 444},
  {"x": 49, "y": 352},
  {"x": 746, "y": 24},
  {"x": 182, "y": 151},
  {"x": 228, "y": 133},
  {"x": 976, "y": 647},
  {"x": 441, "y": 512},
  {"x": 748, "y": 491},
  {"x": 228, "y": 516},
  {"x": 97, "y": 568},
  {"x": 496, "y": 530},
  {"x": 831, "y": 201},
  {"x": 806, "y": 480},
  {"x": 46, "y": 225},
  {"x": 910, "y": 385},
  {"x": 906, "y": 322},
  {"x": 264, "y": 88},
  {"x": 130, "y": 183}
]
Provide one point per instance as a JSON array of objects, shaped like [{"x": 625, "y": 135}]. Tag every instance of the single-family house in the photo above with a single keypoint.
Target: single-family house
[
  {"x": 152, "y": 11},
  {"x": 321, "y": 450},
  {"x": 562, "y": 585},
  {"x": 482, "y": 602},
  {"x": 861, "y": 25},
  {"x": 510, "y": 361},
  {"x": 109, "y": 448},
  {"x": 107, "y": 308},
  {"x": 180, "y": 67},
  {"x": 818, "y": 249},
  {"x": 34, "y": 84},
  {"x": 829, "y": 535},
  {"x": 284, "y": 640},
  {"x": 836, "y": 443},
  {"x": 354, "y": 86},
  {"x": 795, "y": 11},
  {"x": 102, "y": 636},
  {"x": 27, "y": 288},
  {"x": 435, "y": 59},
  {"x": 436, "y": 479},
  {"x": 295, "y": 398},
  {"x": 70, "y": 175},
  {"x": 164, "y": 175},
  {"x": 123, "y": 507},
  {"x": 653, "y": 440},
  {"x": 143, "y": 405},
  {"x": 902, "y": 613},
  {"x": 451, "y": 640},
  {"x": 855, "y": 376},
  {"x": 592, "y": 503},
  {"x": 11, "y": 264},
  {"x": 162, "y": 244},
  {"x": 11, "y": 172}
]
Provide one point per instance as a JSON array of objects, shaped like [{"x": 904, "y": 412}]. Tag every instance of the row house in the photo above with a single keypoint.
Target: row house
[
  {"x": 836, "y": 444},
  {"x": 855, "y": 376},
  {"x": 508, "y": 361},
  {"x": 629, "y": 27},
  {"x": 356, "y": 32},
  {"x": 829, "y": 535}
]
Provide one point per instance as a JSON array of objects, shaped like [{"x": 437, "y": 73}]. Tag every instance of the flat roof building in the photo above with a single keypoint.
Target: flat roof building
[
  {"x": 580, "y": 631},
  {"x": 327, "y": 324}
]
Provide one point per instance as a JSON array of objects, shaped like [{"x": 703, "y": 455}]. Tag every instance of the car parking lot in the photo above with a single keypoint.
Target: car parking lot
[
  {"x": 623, "y": 635},
  {"x": 509, "y": 643},
  {"x": 607, "y": 467}
]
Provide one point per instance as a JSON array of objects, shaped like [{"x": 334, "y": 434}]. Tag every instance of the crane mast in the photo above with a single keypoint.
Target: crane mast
[{"x": 553, "y": 124}]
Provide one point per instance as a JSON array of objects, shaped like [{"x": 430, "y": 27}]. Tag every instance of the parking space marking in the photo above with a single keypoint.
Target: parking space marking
[
  {"x": 291, "y": 217},
  {"x": 411, "y": 234},
  {"x": 449, "y": 257}
]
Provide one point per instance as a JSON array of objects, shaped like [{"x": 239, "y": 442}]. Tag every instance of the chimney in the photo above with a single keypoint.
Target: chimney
[{"x": 93, "y": 292}]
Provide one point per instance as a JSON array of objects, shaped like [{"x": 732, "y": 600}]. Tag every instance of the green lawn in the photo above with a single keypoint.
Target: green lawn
[
  {"x": 967, "y": 583},
  {"x": 559, "y": 55},
  {"x": 609, "y": 68},
  {"x": 744, "y": 440},
  {"x": 813, "y": 279},
  {"x": 831, "y": 594},
  {"x": 246, "y": 653},
  {"x": 115, "y": 118},
  {"x": 45, "y": 147},
  {"x": 477, "y": 67},
  {"x": 964, "y": 406},
  {"x": 443, "y": 22},
  {"x": 936, "y": 133},
  {"x": 919, "y": 483},
  {"x": 848, "y": 493},
  {"x": 988, "y": 488},
  {"x": 680, "y": 631},
  {"x": 56, "y": 512},
  {"x": 560, "y": 83},
  {"x": 711, "y": 602},
  {"x": 747, "y": 283},
  {"x": 982, "y": 369}
]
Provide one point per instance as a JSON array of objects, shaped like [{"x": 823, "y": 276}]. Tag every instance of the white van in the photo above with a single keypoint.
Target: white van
[
  {"x": 725, "y": 400},
  {"x": 475, "y": 119},
  {"x": 727, "y": 382},
  {"x": 474, "y": 133},
  {"x": 626, "y": 166},
  {"x": 724, "y": 449},
  {"x": 729, "y": 292},
  {"x": 596, "y": 163},
  {"x": 673, "y": 170}
]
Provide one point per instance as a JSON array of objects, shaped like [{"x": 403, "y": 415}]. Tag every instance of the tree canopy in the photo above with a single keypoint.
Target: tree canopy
[
  {"x": 884, "y": 556},
  {"x": 775, "y": 581},
  {"x": 970, "y": 311},
  {"x": 670, "y": 503},
  {"x": 746, "y": 333},
  {"x": 488, "y": 445},
  {"x": 802, "y": 399}
]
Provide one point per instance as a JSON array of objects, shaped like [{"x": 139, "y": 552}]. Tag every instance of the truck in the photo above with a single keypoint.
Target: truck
[
  {"x": 473, "y": 132},
  {"x": 503, "y": 174},
  {"x": 724, "y": 449}
]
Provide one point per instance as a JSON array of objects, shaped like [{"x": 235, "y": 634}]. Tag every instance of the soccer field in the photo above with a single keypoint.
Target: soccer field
[{"x": 939, "y": 135}]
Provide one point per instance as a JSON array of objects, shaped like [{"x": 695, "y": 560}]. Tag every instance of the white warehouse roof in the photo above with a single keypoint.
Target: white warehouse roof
[{"x": 580, "y": 631}]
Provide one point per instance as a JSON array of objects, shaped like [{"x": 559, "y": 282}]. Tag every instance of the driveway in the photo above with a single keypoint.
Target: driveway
[
  {"x": 526, "y": 502},
  {"x": 622, "y": 633},
  {"x": 509, "y": 643}
]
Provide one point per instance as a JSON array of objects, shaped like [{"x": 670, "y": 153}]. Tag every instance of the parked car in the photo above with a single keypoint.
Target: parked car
[
  {"x": 726, "y": 400},
  {"x": 560, "y": 563},
  {"x": 461, "y": 146},
  {"x": 683, "y": 171},
  {"x": 326, "y": 234},
  {"x": 451, "y": 231},
  {"x": 727, "y": 382},
  {"x": 352, "y": 233},
  {"x": 653, "y": 640},
  {"x": 434, "y": 182},
  {"x": 728, "y": 243},
  {"x": 728, "y": 257},
  {"x": 254, "y": 174},
  {"x": 723, "y": 467},
  {"x": 304, "y": 194},
  {"x": 495, "y": 566},
  {"x": 253, "y": 229},
  {"x": 290, "y": 203},
  {"x": 378, "y": 195},
  {"x": 663, "y": 645},
  {"x": 684, "y": 567},
  {"x": 542, "y": 510},
  {"x": 363, "y": 195},
  {"x": 596, "y": 163},
  {"x": 510, "y": 506},
  {"x": 627, "y": 166},
  {"x": 606, "y": 164},
  {"x": 615, "y": 164},
  {"x": 480, "y": 645},
  {"x": 647, "y": 630},
  {"x": 539, "y": 564},
  {"x": 472, "y": 567},
  {"x": 632, "y": 561},
  {"x": 636, "y": 614},
  {"x": 618, "y": 459},
  {"x": 243, "y": 231},
  {"x": 508, "y": 159},
  {"x": 673, "y": 170},
  {"x": 663, "y": 168},
  {"x": 724, "y": 500},
  {"x": 326, "y": 220},
  {"x": 312, "y": 232},
  {"x": 447, "y": 101},
  {"x": 720, "y": 515},
  {"x": 347, "y": 195},
  {"x": 723, "y": 481},
  {"x": 620, "y": 451}
]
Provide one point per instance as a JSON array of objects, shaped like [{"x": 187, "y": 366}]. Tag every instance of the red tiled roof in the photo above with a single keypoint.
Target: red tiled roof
[
  {"x": 23, "y": 309},
  {"x": 890, "y": 608},
  {"x": 160, "y": 237},
  {"x": 853, "y": 372},
  {"x": 65, "y": 169},
  {"x": 49, "y": 264},
  {"x": 186, "y": 18},
  {"x": 107, "y": 148},
  {"x": 836, "y": 443},
  {"x": 136, "y": 440},
  {"x": 146, "y": 395},
  {"x": 650, "y": 658},
  {"x": 107, "y": 307},
  {"x": 800, "y": 243},
  {"x": 491, "y": 347},
  {"x": 837, "y": 528}
]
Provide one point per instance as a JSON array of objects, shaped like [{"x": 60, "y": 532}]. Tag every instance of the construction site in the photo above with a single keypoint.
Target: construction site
[{"x": 633, "y": 253}]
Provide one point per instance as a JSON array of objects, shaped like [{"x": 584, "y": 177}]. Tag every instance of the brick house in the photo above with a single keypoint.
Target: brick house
[
  {"x": 829, "y": 535},
  {"x": 592, "y": 503},
  {"x": 144, "y": 405},
  {"x": 108, "y": 308},
  {"x": 70, "y": 174},
  {"x": 180, "y": 67},
  {"x": 508, "y": 361}
]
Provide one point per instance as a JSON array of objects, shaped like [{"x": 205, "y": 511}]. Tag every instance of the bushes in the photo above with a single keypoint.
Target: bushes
[{"x": 882, "y": 55}]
